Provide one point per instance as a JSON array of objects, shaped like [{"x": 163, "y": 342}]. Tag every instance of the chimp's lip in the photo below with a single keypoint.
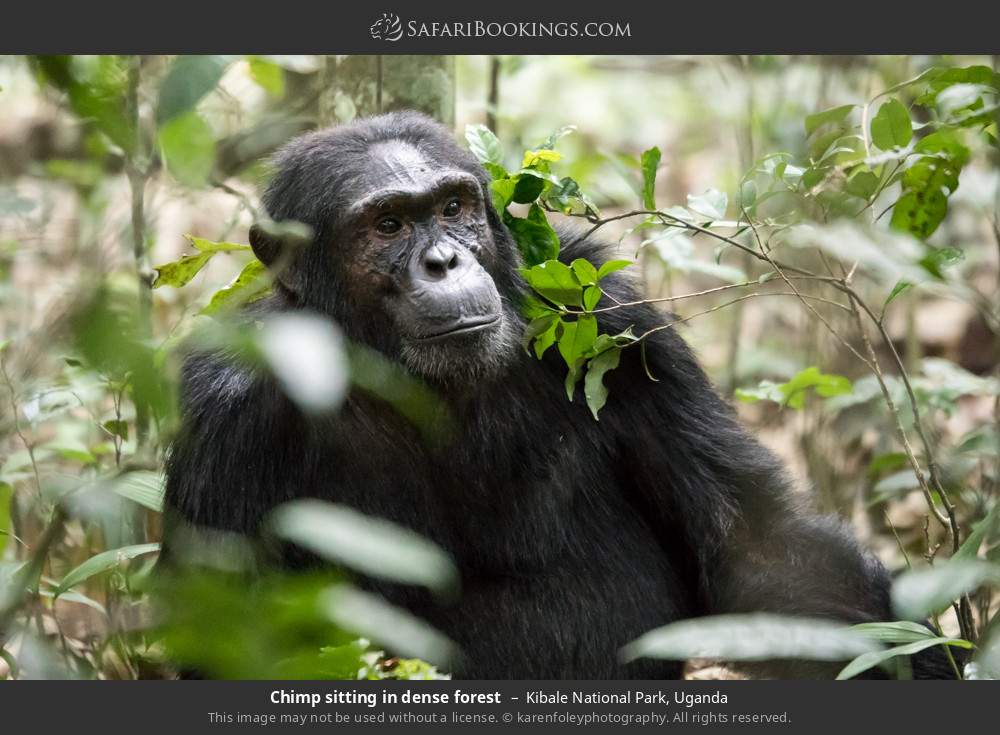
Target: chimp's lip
[{"x": 466, "y": 326}]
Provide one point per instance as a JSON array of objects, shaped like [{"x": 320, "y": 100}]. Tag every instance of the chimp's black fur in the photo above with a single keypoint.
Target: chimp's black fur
[{"x": 572, "y": 536}]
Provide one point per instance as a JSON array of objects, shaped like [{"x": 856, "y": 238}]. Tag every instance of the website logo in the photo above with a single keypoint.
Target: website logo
[{"x": 387, "y": 28}]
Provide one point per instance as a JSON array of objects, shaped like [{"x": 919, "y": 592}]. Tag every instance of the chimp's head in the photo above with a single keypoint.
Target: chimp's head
[{"x": 407, "y": 253}]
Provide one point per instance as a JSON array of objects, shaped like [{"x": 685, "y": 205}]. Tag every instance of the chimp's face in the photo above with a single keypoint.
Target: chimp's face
[{"x": 414, "y": 258}]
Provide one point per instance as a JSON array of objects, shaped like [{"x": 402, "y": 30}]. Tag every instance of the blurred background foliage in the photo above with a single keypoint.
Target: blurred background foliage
[{"x": 127, "y": 185}]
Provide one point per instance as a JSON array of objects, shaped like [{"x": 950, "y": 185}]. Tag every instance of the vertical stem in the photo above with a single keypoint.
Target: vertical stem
[
  {"x": 493, "y": 97},
  {"x": 746, "y": 151},
  {"x": 136, "y": 170}
]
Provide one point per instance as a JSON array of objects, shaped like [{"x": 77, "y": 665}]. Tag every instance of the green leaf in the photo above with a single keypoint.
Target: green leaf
[
  {"x": 117, "y": 427},
  {"x": 543, "y": 156},
  {"x": 495, "y": 170},
  {"x": 142, "y": 487},
  {"x": 897, "y": 290},
  {"x": 535, "y": 238},
  {"x": 551, "y": 141},
  {"x": 95, "y": 87},
  {"x": 573, "y": 376},
  {"x": 793, "y": 392},
  {"x": 187, "y": 145},
  {"x": 367, "y": 544},
  {"x": 863, "y": 183},
  {"x": 891, "y": 126},
  {"x": 190, "y": 78},
  {"x": 751, "y": 637},
  {"x": 766, "y": 390},
  {"x": 251, "y": 283},
  {"x": 585, "y": 271},
  {"x": 833, "y": 115},
  {"x": 711, "y": 204},
  {"x": 649, "y": 162},
  {"x": 484, "y": 144},
  {"x": 928, "y": 183},
  {"x": 502, "y": 192},
  {"x": 900, "y": 631},
  {"x": 919, "y": 593},
  {"x": 268, "y": 75},
  {"x": 984, "y": 530},
  {"x": 611, "y": 266},
  {"x": 939, "y": 258},
  {"x": 593, "y": 385},
  {"x": 102, "y": 562},
  {"x": 868, "y": 660},
  {"x": 555, "y": 281},
  {"x": 527, "y": 188},
  {"x": 209, "y": 246},
  {"x": 826, "y": 385},
  {"x": 537, "y": 327},
  {"x": 6, "y": 498},
  {"x": 591, "y": 297},
  {"x": 180, "y": 272},
  {"x": 399, "y": 630},
  {"x": 577, "y": 338}
]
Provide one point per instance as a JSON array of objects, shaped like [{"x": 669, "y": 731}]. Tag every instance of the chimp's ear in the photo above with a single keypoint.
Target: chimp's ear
[{"x": 276, "y": 248}]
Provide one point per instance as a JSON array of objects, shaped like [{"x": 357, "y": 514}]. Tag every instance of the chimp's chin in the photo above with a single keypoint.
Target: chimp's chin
[{"x": 467, "y": 357}]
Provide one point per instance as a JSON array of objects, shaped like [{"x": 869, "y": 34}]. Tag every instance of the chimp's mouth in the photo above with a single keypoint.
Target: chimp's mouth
[{"x": 461, "y": 328}]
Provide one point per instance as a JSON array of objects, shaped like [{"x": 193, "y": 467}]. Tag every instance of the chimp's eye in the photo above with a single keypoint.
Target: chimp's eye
[
  {"x": 388, "y": 226},
  {"x": 452, "y": 208}
]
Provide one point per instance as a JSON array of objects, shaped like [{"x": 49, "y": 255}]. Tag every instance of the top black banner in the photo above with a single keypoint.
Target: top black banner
[{"x": 513, "y": 27}]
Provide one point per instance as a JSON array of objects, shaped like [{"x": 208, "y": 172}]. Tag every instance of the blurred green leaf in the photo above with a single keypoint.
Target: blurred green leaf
[
  {"x": 793, "y": 392},
  {"x": 985, "y": 530},
  {"x": 484, "y": 144},
  {"x": 900, "y": 631},
  {"x": 187, "y": 144},
  {"x": 833, "y": 115},
  {"x": 920, "y": 593},
  {"x": 711, "y": 204},
  {"x": 866, "y": 661},
  {"x": 387, "y": 625},
  {"x": 96, "y": 89},
  {"x": 142, "y": 487},
  {"x": 189, "y": 79},
  {"x": 102, "y": 562},
  {"x": 891, "y": 126},
  {"x": 268, "y": 75},
  {"x": 366, "y": 544},
  {"x": 6, "y": 498},
  {"x": 305, "y": 352},
  {"x": 751, "y": 637}
]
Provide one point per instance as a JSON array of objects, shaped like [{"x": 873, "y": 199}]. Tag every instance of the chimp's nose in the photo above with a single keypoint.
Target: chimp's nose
[{"x": 438, "y": 260}]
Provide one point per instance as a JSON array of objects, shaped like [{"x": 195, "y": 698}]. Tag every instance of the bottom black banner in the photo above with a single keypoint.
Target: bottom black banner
[{"x": 491, "y": 706}]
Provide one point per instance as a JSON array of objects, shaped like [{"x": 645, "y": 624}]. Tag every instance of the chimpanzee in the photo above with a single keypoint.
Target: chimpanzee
[{"x": 572, "y": 536}]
